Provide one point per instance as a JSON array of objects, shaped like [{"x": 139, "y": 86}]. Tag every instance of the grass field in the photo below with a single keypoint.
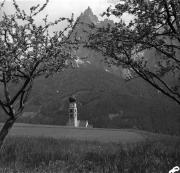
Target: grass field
[
  {"x": 49, "y": 155},
  {"x": 123, "y": 136},
  {"x": 58, "y": 149}
]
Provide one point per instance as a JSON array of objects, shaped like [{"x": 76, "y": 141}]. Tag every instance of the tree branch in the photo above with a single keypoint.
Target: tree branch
[
  {"x": 3, "y": 105},
  {"x": 169, "y": 19}
]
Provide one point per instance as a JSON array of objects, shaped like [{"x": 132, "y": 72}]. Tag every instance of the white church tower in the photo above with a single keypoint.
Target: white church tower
[
  {"x": 73, "y": 119},
  {"x": 72, "y": 112}
]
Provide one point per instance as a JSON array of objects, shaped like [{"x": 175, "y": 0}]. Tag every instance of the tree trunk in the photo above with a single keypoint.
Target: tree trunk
[{"x": 5, "y": 130}]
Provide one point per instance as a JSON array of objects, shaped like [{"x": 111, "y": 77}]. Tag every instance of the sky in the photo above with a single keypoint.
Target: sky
[
  {"x": 63, "y": 8},
  {"x": 58, "y": 8}
]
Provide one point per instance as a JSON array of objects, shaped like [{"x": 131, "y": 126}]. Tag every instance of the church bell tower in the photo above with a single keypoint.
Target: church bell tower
[{"x": 72, "y": 112}]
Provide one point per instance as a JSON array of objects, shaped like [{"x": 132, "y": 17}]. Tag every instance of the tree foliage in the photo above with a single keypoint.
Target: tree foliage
[
  {"x": 27, "y": 51},
  {"x": 155, "y": 27}
]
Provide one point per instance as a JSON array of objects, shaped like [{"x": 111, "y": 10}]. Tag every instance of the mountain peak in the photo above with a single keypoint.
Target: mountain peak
[
  {"x": 88, "y": 15},
  {"x": 88, "y": 11}
]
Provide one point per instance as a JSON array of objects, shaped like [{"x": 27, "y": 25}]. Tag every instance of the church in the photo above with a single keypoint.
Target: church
[{"x": 73, "y": 116}]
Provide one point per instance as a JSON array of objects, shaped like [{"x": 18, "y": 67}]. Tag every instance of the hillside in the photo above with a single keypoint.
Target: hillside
[{"x": 105, "y": 99}]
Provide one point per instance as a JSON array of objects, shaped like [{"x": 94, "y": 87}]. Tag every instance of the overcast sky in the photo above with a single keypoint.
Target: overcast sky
[
  {"x": 57, "y": 8},
  {"x": 63, "y": 8}
]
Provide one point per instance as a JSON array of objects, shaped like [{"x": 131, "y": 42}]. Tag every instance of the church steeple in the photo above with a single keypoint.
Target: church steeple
[{"x": 72, "y": 112}]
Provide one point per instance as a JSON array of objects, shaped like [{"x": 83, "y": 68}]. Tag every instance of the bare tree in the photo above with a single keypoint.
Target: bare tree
[
  {"x": 155, "y": 27},
  {"x": 27, "y": 51}
]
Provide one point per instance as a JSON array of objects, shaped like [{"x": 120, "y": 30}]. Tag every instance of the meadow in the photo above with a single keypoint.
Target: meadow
[
  {"x": 49, "y": 155},
  {"x": 123, "y": 136}
]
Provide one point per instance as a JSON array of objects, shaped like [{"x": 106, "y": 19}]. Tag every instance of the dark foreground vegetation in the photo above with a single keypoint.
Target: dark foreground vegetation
[{"x": 55, "y": 156}]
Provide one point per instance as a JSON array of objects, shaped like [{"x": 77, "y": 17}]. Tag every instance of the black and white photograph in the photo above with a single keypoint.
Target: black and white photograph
[{"x": 89, "y": 86}]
